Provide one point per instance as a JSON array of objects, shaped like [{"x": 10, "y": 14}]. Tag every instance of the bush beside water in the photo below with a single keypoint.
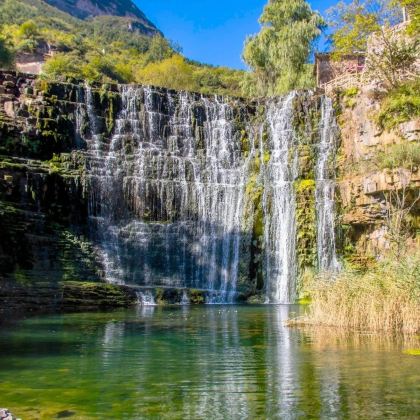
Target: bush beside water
[{"x": 385, "y": 298}]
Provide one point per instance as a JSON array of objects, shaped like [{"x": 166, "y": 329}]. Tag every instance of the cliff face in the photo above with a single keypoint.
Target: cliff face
[
  {"x": 364, "y": 185},
  {"x": 125, "y": 182},
  {"x": 90, "y": 8},
  {"x": 42, "y": 202},
  {"x": 84, "y": 9}
]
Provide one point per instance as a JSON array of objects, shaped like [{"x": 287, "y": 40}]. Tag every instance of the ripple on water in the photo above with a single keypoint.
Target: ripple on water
[{"x": 201, "y": 362}]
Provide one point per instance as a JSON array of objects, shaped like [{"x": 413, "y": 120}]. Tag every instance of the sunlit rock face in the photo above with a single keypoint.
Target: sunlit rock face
[
  {"x": 154, "y": 188},
  {"x": 84, "y": 9}
]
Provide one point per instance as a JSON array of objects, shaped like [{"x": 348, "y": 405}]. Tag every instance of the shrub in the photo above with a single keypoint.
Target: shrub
[
  {"x": 401, "y": 104},
  {"x": 61, "y": 66},
  {"x": 385, "y": 298},
  {"x": 405, "y": 155},
  {"x": 173, "y": 72},
  {"x": 6, "y": 54}
]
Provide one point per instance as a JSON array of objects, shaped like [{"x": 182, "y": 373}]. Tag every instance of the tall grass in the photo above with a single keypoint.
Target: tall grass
[{"x": 386, "y": 298}]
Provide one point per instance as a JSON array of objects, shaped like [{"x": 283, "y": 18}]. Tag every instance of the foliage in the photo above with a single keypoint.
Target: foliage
[
  {"x": 354, "y": 22},
  {"x": 405, "y": 155},
  {"x": 413, "y": 7},
  {"x": 385, "y": 298},
  {"x": 6, "y": 54},
  {"x": 401, "y": 104},
  {"x": 63, "y": 66},
  {"x": 217, "y": 80},
  {"x": 278, "y": 53},
  {"x": 172, "y": 72},
  {"x": 104, "y": 49},
  {"x": 349, "y": 97},
  {"x": 392, "y": 58}
]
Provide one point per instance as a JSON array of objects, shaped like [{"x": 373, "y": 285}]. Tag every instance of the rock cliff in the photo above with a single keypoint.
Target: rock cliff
[
  {"x": 364, "y": 185},
  {"x": 84, "y": 9},
  {"x": 45, "y": 207}
]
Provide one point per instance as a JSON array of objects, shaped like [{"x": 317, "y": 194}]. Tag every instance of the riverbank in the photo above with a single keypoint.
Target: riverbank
[
  {"x": 36, "y": 298},
  {"x": 386, "y": 298}
]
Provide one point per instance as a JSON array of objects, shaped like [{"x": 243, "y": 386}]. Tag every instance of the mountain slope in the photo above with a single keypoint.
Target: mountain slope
[{"x": 84, "y": 9}]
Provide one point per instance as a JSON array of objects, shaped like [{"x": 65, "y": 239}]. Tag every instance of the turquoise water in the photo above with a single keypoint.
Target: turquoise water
[{"x": 212, "y": 362}]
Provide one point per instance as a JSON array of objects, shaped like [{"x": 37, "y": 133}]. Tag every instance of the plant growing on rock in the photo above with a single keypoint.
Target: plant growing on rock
[{"x": 399, "y": 202}]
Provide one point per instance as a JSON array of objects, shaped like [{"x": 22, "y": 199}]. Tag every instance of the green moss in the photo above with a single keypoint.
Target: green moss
[
  {"x": 306, "y": 223},
  {"x": 245, "y": 146},
  {"x": 349, "y": 97},
  {"x": 197, "y": 297},
  {"x": 304, "y": 301},
  {"x": 305, "y": 185}
]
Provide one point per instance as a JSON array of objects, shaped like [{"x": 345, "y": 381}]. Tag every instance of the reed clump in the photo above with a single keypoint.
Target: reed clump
[{"x": 385, "y": 298}]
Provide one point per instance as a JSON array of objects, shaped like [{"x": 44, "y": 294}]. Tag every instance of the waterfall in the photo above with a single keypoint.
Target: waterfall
[
  {"x": 145, "y": 298},
  {"x": 169, "y": 203},
  {"x": 325, "y": 189},
  {"x": 168, "y": 192},
  {"x": 280, "y": 204},
  {"x": 185, "y": 299}
]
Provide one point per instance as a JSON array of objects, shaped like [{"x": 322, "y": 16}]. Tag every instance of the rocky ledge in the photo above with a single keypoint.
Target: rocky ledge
[{"x": 62, "y": 297}]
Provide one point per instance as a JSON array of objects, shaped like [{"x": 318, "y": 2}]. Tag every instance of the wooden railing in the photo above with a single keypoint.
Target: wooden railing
[
  {"x": 344, "y": 81},
  {"x": 348, "y": 80}
]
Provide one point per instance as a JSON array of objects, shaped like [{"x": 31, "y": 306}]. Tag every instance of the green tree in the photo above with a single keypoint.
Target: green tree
[
  {"x": 354, "y": 22},
  {"x": 278, "y": 53},
  {"x": 6, "y": 54},
  {"x": 413, "y": 8},
  {"x": 174, "y": 72},
  {"x": 27, "y": 36},
  {"x": 159, "y": 49},
  {"x": 61, "y": 66}
]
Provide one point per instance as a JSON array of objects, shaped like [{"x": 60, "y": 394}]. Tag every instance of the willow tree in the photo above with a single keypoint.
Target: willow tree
[{"x": 279, "y": 53}]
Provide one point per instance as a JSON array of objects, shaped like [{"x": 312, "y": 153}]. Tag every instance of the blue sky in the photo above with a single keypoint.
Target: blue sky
[{"x": 210, "y": 31}]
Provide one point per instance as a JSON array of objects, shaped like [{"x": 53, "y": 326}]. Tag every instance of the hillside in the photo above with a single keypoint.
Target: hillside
[
  {"x": 84, "y": 9},
  {"x": 123, "y": 47}
]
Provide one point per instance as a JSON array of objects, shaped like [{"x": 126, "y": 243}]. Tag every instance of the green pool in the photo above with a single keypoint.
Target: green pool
[{"x": 211, "y": 362}]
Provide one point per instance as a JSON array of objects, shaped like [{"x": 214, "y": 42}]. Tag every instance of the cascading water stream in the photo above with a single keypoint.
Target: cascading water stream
[
  {"x": 168, "y": 191},
  {"x": 325, "y": 189},
  {"x": 280, "y": 204},
  {"x": 169, "y": 202}
]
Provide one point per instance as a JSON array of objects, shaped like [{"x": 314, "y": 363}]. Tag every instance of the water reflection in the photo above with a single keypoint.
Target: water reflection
[{"x": 202, "y": 363}]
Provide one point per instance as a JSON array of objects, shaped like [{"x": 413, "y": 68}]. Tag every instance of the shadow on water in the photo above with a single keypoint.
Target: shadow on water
[{"x": 203, "y": 362}]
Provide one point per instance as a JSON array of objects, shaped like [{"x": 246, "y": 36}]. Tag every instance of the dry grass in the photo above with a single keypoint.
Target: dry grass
[{"x": 386, "y": 298}]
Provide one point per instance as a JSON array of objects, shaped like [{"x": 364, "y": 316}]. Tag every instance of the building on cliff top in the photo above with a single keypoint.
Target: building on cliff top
[
  {"x": 327, "y": 69},
  {"x": 347, "y": 71}
]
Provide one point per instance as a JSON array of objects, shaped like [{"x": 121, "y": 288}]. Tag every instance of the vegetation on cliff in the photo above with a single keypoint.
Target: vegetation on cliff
[
  {"x": 399, "y": 105},
  {"x": 103, "y": 49}
]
